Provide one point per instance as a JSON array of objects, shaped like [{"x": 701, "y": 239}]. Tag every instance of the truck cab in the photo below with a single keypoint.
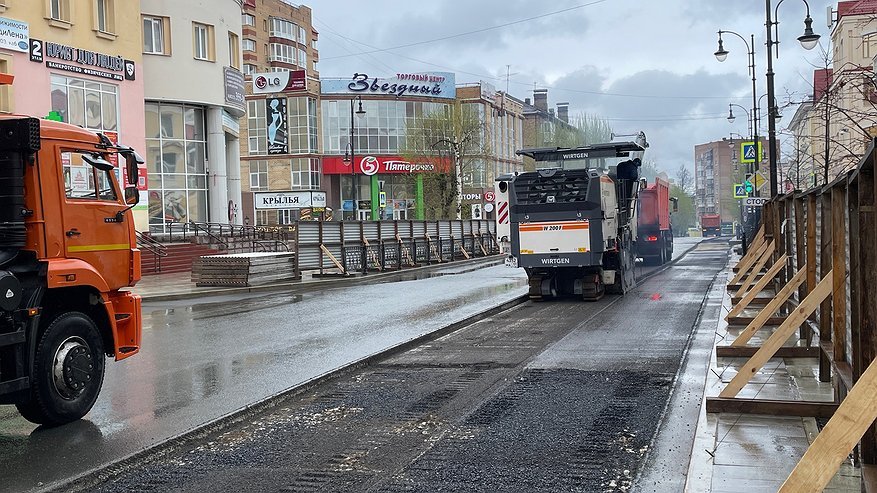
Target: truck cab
[{"x": 67, "y": 251}]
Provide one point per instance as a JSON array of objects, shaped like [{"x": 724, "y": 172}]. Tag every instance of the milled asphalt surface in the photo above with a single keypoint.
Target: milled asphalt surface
[{"x": 552, "y": 396}]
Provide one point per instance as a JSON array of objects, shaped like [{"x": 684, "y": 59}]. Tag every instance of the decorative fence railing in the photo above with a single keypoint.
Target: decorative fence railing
[{"x": 816, "y": 254}]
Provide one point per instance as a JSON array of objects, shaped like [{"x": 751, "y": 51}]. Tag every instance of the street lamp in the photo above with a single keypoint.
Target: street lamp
[
  {"x": 808, "y": 41},
  {"x": 349, "y": 152},
  {"x": 722, "y": 54}
]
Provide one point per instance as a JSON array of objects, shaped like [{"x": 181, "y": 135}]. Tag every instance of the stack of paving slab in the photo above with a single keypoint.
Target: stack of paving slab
[{"x": 244, "y": 269}]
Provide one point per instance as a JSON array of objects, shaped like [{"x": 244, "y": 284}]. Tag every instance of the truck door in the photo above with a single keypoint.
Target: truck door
[{"x": 91, "y": 232}]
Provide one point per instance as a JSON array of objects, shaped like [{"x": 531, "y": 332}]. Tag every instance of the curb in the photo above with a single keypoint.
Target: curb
[{"x": 298, "y": 286}]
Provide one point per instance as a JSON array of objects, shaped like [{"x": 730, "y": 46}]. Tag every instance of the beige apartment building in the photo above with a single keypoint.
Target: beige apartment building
[
  {"x": 194, "y": 93},
  {"x": 717, "y": 168},
  {"x": 545, "y": 127},
  {"x": 280, "y": 151}
]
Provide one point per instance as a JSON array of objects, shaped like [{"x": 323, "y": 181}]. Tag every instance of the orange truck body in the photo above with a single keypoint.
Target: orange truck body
[
  {"x": 654, "y": 230},
  {"x": 78, "y": 253}
]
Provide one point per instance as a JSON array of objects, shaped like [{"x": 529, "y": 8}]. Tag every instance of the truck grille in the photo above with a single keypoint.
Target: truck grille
[{"x": 563, "y": 187}]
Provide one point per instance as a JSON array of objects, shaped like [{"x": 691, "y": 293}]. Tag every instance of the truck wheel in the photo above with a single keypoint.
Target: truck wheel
[{"x": 68, "y": 371}]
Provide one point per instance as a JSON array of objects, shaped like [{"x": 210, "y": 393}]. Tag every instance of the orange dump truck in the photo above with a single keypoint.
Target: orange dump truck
[
  {"x": 67, "y": 248},
  {"x": 654, "y": 229},
  {"x": 711, "y": 224}
]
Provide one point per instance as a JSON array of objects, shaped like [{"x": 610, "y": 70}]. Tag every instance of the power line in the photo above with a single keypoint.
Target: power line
[{"x": 467, "y": 33}]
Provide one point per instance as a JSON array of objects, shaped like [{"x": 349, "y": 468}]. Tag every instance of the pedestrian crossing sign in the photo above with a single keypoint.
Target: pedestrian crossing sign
[
  {"x": 740, "y": 191},
  {"x": 747, "y": 152}
]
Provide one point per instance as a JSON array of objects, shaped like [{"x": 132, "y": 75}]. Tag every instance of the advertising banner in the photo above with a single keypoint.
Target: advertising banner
[
  {"x": 289, "y": 200},
  {"x": 278, "y": 133},
  {"x": 14, "y": 35},
  {"x": 428, "y": 84},
  {"x": 273, "y": 82},
  {"x": 373, "y": 165},
  {"x": 234, "y": 87}
]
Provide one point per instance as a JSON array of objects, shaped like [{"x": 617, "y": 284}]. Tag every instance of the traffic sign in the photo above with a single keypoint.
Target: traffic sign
[
  {"x": 747, "y": 152},
  {"x": 488, "y": 207},
  {"x": 740, "y": 191},
  {"x": 476, "y": 211},
  {"x": 760, "y": 180},
  {"x": 489, "y": 196},
  {"x": 755, "y": 201},
  {"x": 382, "y": 199}
]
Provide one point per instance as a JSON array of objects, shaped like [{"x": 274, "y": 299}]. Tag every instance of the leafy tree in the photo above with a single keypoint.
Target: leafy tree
[{"x": 457, "y": 134}]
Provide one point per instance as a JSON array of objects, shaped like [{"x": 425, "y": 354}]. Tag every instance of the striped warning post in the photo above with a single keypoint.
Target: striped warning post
[{"x": 503, "y": 212}]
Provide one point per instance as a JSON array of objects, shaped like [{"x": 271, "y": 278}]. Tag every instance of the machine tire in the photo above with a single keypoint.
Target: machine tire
[{"x": 68, "y": 371}]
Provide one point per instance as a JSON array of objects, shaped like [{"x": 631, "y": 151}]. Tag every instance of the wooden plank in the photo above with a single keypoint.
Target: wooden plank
[
  {"x": 801, "y": 257},
  {"x": 332, "y": 258},
  {"x": 777, "y": 339},
  {"x": 765, "y": 256},
  {"x": 759, "y": 286},
  {"x": 814, "y": 409},
  {"x": 869, "y": 478},
  {"x": 746, "y": 321},
  {"x": 835, "y": 442},
  {"x": 746, "y": 266},
  {"x": 783, "y": 352},
  {"x": 757, "y": 301},
  {"x": 767, "y": 312},
  {"x": 825, "y": 267},
  {"x": 746, "y": 261},
  {"x": 868, "y": 293},
  {"x": 839, "y": 272},
  {"x": 465, "y": 253}
]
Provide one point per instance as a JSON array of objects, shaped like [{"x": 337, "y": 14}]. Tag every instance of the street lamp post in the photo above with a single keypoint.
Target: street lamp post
[
  {"x": 808, "y": 41},
  {"x": 349, "y": 152},
  {"x": 721, "y": 54}
]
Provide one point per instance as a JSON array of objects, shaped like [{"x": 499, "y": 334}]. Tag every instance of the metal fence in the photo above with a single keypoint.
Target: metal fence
[{"x": 361, "y": 246}]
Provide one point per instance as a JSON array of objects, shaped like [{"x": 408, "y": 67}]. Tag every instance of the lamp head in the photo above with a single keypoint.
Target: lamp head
[
  {"x": 721, "y": 54},
  {"x": 731, "y": 116},
  {"x": 360, "y": 111},
  {"x": 809, "y": 39}
]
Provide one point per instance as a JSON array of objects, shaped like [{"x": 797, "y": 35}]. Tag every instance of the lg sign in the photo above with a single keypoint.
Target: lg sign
[
  {"x": 273, "y": 82},
  {"x": 262, "y": 82}
]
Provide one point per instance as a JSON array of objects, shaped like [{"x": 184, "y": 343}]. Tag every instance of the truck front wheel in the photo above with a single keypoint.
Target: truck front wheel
[{"x": 68, "y": 371}]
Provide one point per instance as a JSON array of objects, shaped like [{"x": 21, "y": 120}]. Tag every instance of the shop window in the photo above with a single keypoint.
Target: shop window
[
  {"x": 257, "y": 131},
  {"x": 58, "y": 13},
  {"x": 156, "y": 35},
  {"x": 203, "y": 42},
  {"x": 248, "y": 20},
  {"x": 176, "y": 162},
  {"x": 104, "y": 17},
  {"x": 234, "y": 50},
  {"x": 249, "y": 45},
  {"x": 6, "y": 90},
  {"x": 258, "y": 175},
  {"x": 89, "y": 104}
]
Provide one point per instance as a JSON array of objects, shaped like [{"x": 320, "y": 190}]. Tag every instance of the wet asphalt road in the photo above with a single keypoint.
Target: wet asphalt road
[
  {"x": 552, "y": 396},
  {"x": 206, "y": 358}
]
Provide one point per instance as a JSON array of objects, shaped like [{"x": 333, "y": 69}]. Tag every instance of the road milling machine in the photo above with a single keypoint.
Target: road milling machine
[{"x": 572, "y": 222}]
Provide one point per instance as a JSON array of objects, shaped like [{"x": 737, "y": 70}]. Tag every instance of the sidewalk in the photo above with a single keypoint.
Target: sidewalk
[
  {"x": 178, "y": 285},
  {"x": 755, "y": 453}
]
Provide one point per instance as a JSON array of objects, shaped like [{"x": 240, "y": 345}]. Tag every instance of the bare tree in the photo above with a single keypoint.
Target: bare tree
[{"x": 684, "y": 178}]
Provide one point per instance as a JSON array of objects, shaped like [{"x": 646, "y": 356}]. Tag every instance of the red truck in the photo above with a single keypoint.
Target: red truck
[
  {"x": 654, "y": 228},
  {"x": 711, "y": 224}
]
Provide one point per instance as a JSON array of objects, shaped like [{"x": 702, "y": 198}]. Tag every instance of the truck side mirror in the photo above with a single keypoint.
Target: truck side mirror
[
  {"x": 675, "y": 201},
  {"x": 132, "y": 195},
  {"x": 97, "y": 161},
  {"x": 132, "y": 165}
]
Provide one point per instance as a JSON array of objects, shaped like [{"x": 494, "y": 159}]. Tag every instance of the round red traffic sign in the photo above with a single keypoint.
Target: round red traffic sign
[{"x": 489, "y": 196}]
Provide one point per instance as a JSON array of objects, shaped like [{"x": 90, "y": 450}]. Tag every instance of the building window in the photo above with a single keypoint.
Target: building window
[
  {"x": 176, "y": 157},
  {"x": 302, "y": 37},
  {"x": 155, "y": 40},
  {"x": 282, "y": 53},
  {"x": 305, "y": 173},
  {"x": 59, "y": 10},
  {"x": 282, "y": 28},
  {"x": 257, "y": 127},
  {"x": 249, "y": 45},
  {"x": 250, "y": 69},
  {"x": 302, "y": 59},
  {"x": 279, "y": 69},
  {"x": 234, "y": 50},
  {"x": 6, "y": 90},
  {"x": 302, "y": 113},
  {"x": 203, "y": 42},
  {"x": 258, "y": 175},
  {"x": 89, "y": 104},
  {"x": 248, "y": 20},
  {"x": 314, "y": 43},
  {"x": 104, "y": 16}
]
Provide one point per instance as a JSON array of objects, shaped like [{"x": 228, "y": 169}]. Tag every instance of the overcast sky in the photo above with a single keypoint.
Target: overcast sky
[{"x": 642, "y": 65}]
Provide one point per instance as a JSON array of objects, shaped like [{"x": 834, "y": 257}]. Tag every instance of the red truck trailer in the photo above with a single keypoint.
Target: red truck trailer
[
  {"x": 654, "y": 229},
  {"x": 711, "y": 224}
]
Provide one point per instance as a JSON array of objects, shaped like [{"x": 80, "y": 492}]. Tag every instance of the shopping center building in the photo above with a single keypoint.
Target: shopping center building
[{"x": 79, "y": 62}]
